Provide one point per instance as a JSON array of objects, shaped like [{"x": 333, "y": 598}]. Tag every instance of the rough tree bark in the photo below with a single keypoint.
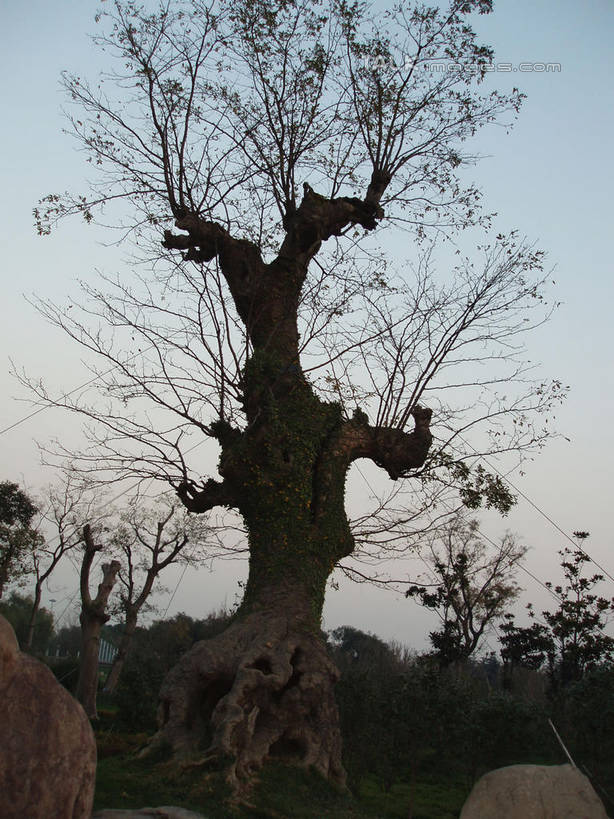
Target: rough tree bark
[
  {"x": 93, "y": 616},
  {"x": 265, "y": 686}
]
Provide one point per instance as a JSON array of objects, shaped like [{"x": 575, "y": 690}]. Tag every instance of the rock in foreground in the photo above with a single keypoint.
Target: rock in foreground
[
  {"x": 533, "y": 792},
  {"x": 148, "y": 813},
  {"x": 48, "y": 751}
]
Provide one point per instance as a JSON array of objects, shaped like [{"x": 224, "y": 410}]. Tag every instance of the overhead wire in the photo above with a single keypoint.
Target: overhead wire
[
  {"x": 505, "y": 478},
  {"x": 538, "y": 509},
  {"x": 491, "y": 542},
  {"x": 81, "y": 386}
]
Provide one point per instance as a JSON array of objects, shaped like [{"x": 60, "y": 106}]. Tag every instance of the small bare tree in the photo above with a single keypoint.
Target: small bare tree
[
  {"x": 149, "y": 540},
  {"x": 64, "y": 509},
  {"x": 469, "y": 587}
]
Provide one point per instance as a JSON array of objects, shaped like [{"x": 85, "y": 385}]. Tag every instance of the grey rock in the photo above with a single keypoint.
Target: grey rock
[
  {"x": 165, "y": 812},
  {"x": 47, "y": 746},
  {"x": 533, "y": 792}
]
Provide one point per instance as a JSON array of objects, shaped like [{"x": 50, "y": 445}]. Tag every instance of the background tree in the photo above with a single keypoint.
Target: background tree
[
  {"x": 577, "y": 626},
  {"x": 16, "y": 608},
  {"x": 149, "y": 540},
  {"x": 473, "y": 585},
  {"x": 65, "y": 507},
  {"x": 67, "y": 641},
  {"x": 523, "y": 646},
  {"x": 375, "y": 672},
  {"x": 18, "y": 540},
  {"x": 571, "y": 640},
  {"x": 93, "y": 616},
  {"x": 276, "y": 137}
]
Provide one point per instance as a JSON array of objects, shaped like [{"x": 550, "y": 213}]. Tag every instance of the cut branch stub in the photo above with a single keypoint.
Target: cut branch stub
[
  {"x": 212, "y": 494},
  {"x": 392, "y": 449},
  {"x": 318, "y": 218},
  {"x": 99, "y": 604}
]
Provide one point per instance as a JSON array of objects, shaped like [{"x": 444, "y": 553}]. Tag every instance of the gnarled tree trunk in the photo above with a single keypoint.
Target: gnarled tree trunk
[{"x": 265, "y": 687}]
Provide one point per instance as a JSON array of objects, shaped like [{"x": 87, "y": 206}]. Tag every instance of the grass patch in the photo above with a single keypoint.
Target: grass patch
[
  {"x": 284, "y": 791},
  {"x": 125, "y": 781},
  {"x": 427, "y": 798},
  {"x": 116, "y": 743}
]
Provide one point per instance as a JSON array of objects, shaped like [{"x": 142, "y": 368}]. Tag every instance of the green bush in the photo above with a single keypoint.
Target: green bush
[{"x": 66, "y": 670}]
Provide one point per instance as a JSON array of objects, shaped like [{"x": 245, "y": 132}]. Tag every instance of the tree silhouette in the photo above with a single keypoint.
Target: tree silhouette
[
  {"x": 571, "y": 639},
  {"x": 18, "y": 539},
  {"x": 265, "y": 143},
  {"x": 473, "y": 585},
  {"x": 148, "y": 539}
]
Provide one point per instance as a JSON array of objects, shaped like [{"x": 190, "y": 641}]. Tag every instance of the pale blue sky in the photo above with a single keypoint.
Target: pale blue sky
[{"x": 551, "y": 178}]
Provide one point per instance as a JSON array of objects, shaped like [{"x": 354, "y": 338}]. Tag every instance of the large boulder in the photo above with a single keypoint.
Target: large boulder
[
  {"x": 47, "y": 746},
  {"x": 533, "y": 792},
  {"x": 148, "y": 813}
]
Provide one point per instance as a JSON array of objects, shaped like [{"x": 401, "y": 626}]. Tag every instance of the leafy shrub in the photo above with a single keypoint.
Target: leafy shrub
[{"x": 66, "y": 670}]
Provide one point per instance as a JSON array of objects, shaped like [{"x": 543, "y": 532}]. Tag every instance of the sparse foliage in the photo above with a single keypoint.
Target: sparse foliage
[
  {"x": 470, "y": 586},
  {"x": 577, "y": 626},
  {"x": 571, "y": 640}
]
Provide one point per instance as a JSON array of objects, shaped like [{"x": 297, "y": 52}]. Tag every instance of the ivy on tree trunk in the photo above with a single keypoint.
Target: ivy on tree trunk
[{"x": 266, "y": 686}]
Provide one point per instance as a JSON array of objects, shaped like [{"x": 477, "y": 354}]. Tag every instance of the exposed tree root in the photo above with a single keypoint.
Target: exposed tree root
[{"x": 259, "y": 690}]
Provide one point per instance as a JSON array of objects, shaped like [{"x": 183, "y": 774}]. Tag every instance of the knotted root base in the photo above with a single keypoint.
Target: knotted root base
[{"x": 258, "y": 690}]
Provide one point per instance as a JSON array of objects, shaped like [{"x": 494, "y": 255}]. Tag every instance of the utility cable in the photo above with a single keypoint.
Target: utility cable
[
  {"x": 539, "y": 510},
  {"x": 185, "y": 568},
  {"x": 82, "y": 386}
]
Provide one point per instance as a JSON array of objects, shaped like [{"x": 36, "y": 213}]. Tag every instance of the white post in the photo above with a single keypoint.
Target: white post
[{"x": 556, "y": 733}]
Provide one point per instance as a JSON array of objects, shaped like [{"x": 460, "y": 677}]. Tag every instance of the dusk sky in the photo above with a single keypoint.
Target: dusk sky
[{"x": 551, "y": 178}]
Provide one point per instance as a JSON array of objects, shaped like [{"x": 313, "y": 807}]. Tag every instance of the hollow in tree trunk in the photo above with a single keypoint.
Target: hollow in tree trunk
[{"x": 263, "y": 688}]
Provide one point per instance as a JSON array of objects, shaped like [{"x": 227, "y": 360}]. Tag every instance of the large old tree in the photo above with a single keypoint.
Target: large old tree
[{"x": 264, "y": 144}]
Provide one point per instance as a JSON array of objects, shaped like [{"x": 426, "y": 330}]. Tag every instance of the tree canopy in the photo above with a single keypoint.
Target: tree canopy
[
  {"x": 469, "y": 585},
  {"x": 18, "y": 539},
  {"x": 279, "y": 138}
]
